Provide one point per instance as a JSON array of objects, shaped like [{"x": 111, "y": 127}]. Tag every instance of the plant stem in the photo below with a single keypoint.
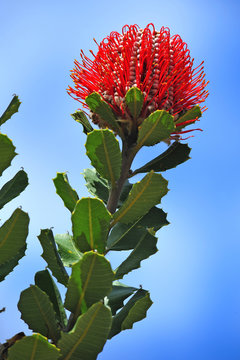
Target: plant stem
[{"x": 127, "y": 159}]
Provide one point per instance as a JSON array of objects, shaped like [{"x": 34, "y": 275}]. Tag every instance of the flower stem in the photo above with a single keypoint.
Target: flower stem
[{"x": 127, "y": 159}]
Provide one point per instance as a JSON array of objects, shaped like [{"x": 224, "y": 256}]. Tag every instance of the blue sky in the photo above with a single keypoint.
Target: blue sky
[{"x": 194, "y": 278}]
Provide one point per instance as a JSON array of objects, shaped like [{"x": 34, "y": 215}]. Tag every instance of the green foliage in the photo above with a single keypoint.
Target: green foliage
[
  {"x": 81, "y": 118},
  {"x": 99, "y": 187},
  {"x": 143, "y": 196},
  {"x": 67, "y": 250},
  {"x": 11, "y": 109},
  {"x": 157, "y": 127},
  {"x": 175, "y": 155},
  {"x": 13, "y": 234},
  {"x": 135, "y": 310},
  {"x": 193, "y": 113},
  {"x": 7, "y": 267},
  {"x": 51, "y": 256},
  {"x": 64, "y": 190},
  {"x": 100, "y": 107},
  {"x": 90, "y": 281},
  {"x": 89, "y": 335},
  {"x": 104, "y": 152},
  {"x": 37, "y": 311},
  {"x": 7, "y": 151},
  {"x": 91, "y": 222},
  {"x": 146, "y": 246},
  {"x": 119, "y": 293},
  {"x": 126, "y": 237},
  {"x": 46, "y": 283},
  {"x": 134, "y": 100},
  {"x": 35, "y": 347},
  {"x": 14, "y": 231},
  {"x": 13, "y": 188},
  {"x": 96, "y": 185}
]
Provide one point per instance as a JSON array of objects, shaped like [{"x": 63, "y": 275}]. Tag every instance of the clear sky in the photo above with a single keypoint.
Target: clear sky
[{"x": 194, "y": 278}]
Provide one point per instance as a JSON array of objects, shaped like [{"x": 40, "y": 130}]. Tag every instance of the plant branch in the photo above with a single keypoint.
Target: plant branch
[{"x": 127, "y": 159}]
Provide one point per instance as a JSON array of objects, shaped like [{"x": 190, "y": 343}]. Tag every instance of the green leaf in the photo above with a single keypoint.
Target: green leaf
[
  {"x": 157, "y": 127},
  {"x": 104, "y": 152},
  {"x": 37, "y": 311},
  {"x": 119, "y": 293},
  {"x": 96, "y": 185},
  {"x": 126, "y": 237},
  {"x": 175, "y": 155},
  {"x": 11, "y": 109},
  {"x": 135, "y": 310},
  {"x": 193, "y": 113},
  {"x": 46, "y": 283},
  {"x": 13, "y": 234},
  {"x": 13, "y": 188},
  {"x": 99, "y": 187},
  {"x": 134, "y": 100},
  {"x": 89, "y": 335},
  {"x": 64, "y": 190},
  {"x": 145, "y": 247},
  {"x": 51, "y": 256},
  {"x": 67, "y": 251},
  {"x": 7, "y": 267},
  {"x": 155, "y": 219},
  {"x": 7, "y": 152},
  {"x": 81, "y": 118},
  {"x": 90, "y": 224},
  {"x": 100, "y": 107},
  {"x": 35, "y": 347},
  {"x": 90, "y": 281},
  {"x": 143, "y": 196},
  {"x": 127, "y": 186}
]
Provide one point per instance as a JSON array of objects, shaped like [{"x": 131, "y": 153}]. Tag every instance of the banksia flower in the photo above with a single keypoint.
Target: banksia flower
[{"x": 153, "y": 61}]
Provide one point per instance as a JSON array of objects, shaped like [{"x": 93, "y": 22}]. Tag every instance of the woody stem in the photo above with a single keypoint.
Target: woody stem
[{"x": 127, "y": 159}]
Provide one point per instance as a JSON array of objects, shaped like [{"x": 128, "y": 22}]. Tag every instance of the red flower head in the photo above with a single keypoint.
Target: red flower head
[{"x": 153, "y": 61}]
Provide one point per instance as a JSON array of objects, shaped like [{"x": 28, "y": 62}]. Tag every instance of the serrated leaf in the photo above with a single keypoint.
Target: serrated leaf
[
  {"x": 134, "y": 100},
  {"x": 155, "y": 219},
  {"x": 175, "y": 155},
  {"x": 67, "y": 251},
  {"x": 100, "y": 107},
  {"x": 37, "y": 311},
  {"x": 11, "y": 109},
  {"x": 119, "y": 293},
  {"x": 7, "y": 267},
  {"x": 35, "y": 347},
  {"x": 192, "y": 114},
  {"x": 157, "y": 127},
  {"x": 13, "y": 188},
  {"x": 104, "y": 152},
  {"x": 127, "y": 187},
  {"x": 65, "y": 191},
  {"x": 13, "y": 234},
  {"x": 90, "y": 281},
  {"x": 7, "y": 152},
  {"x": 89, "y": 335},
  {"x": 146, "y": 246},
  {"x": 81, "y": 118},
  {"x": 46, "y": 283},
  {"x": 99, "y": 187},
  {"x": 135, "y": 310},
  {"x": 126, "y": 237},
  {"x": 143, "y": 196},
  {"x": 90, "y": 224},
  {"x": 96, "y": 185},
  {"x": 51, "y": 256}
]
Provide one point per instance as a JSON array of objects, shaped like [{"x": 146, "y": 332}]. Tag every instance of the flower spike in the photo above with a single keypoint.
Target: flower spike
[{"x": 158, "y": 64}]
